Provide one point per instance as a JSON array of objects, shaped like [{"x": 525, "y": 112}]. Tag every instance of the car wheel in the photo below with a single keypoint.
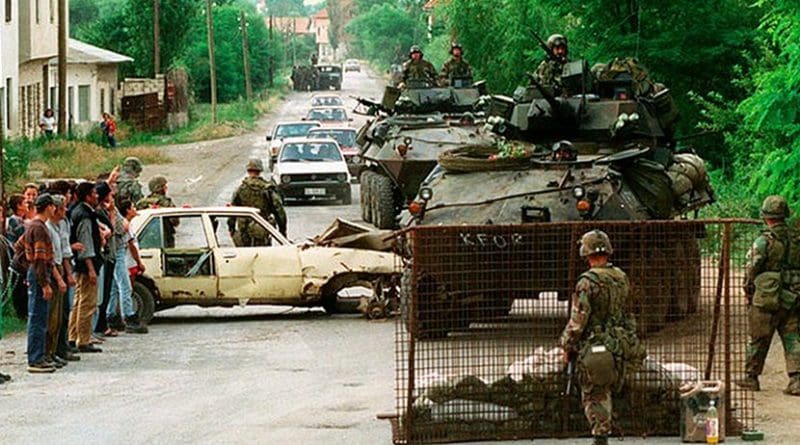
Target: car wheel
[
  {"x": 383, "y": 211},
  {"x": 144, "y": 304}
]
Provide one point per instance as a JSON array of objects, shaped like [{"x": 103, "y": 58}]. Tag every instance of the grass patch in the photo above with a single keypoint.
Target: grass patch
[
  {"x": 233, "y": 119},
  {"x": 61, "y": 158}
]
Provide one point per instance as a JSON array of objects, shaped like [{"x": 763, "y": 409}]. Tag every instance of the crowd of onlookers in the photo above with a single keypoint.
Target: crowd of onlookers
[{"x": 74, "y": 263}]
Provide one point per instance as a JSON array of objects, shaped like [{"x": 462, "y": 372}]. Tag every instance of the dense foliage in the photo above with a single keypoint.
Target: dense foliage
[{"x": 128, "y": 29}]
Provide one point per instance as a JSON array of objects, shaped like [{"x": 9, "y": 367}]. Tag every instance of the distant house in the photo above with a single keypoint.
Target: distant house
[
  {"x": 9, "y": 68},
  {"x": 291, "y": 25},
  {"x": 37, "y": 43},
  {"x": 92, "y": 83},
  {"x": 320, "y": 23}
]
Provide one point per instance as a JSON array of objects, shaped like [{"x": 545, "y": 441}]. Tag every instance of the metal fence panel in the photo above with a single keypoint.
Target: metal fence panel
[{"x": 483, "y": 308}]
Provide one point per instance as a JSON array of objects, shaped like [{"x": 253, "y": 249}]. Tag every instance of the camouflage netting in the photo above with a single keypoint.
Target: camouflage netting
[
  {"x": 529, "y": 398},
  {"x": 481, "y": 158}
]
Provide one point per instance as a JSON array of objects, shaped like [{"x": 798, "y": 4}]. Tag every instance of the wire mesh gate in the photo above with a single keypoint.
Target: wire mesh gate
[{"x": 483, "y": 308}]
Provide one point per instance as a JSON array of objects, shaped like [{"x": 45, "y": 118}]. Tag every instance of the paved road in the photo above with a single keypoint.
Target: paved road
[{"x": 243, "y": 375}]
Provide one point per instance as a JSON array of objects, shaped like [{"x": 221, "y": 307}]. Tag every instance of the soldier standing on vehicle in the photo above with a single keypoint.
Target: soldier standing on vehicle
[
  {"x": 128, "y": 185},
  {"x": 156, "y": 199},
  {"x": 596, "y": 330},
  {"x": 548, "y": 74},
  {"x": 772, "y": 282},
  {"x": 417, "y": 68},
  {"x": 255, "y": 191},
  {"x": 456, "y": 66}
]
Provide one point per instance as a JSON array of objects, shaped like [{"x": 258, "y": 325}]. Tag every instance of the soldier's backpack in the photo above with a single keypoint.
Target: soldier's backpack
[{"x": 628, "y": 66}]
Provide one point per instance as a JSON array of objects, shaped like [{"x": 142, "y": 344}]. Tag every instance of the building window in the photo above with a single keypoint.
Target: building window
[
  {"x": 8, "y": 13},
  {"x": 54, "y": 99},
  {"x": 113, "y": 104},
  {"x": 52, "y": 11},
  {"x": 37, "y": 10},
  {"x": 70, "y": 104},
  {"x": 2, "y": 107},
  {"x": 83, "y": 103},
  {"x": 102, "y": 100}
]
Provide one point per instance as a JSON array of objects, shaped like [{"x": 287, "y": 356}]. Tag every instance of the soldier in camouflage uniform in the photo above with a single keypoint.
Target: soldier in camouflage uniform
[
  {"x": 599, "y": 336},
  {"x": 548, "y": 74},
  {"x": 772, "y": 283},
  {"x": 417, "y": 68},
  {"x": 128, "y": 186},
  {"x": 156, "y": 199},
  {"x": 455, "y": 67},
  {"x": 257, "y": 192}
]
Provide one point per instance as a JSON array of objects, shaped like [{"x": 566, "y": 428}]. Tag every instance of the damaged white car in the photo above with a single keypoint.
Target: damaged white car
[{"x": 190, "y": 258}]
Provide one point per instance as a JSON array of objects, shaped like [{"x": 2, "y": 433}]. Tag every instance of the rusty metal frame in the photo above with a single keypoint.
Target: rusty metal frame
[{"x": 717, "y": 255}]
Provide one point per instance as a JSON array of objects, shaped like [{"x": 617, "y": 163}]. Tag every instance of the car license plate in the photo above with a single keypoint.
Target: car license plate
[{"x": 315, "y": 192}]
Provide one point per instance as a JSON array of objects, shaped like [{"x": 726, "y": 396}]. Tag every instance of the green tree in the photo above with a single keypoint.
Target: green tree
[
  {"x": 385, "y": 32},
  {"x": 286, "y": 8}
]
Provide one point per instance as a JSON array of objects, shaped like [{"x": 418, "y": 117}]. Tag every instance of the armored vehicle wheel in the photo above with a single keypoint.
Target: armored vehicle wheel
[
  {"x": 144, "y": 303},
  {"x": 435, "y": 314},
  {"x": 365, "y": 195},
  {"x": 383, "y": 210}
]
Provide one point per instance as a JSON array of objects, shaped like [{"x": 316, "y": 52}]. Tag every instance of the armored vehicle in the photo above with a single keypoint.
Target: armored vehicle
[
  {"x": 605, "y": 154},
  {"x": 400, "y": 146},
  {"x": 316, "y": 77}
]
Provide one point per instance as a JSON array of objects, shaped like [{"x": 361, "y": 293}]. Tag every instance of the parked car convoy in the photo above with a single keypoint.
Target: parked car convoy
[
  {"x": 346, "y": 138},
  {"x": 190, "y": 258},
  {"x": 327, "y": 115},
  {"x": 285, "y": 131},
  {"x": 312, "y": 169}
]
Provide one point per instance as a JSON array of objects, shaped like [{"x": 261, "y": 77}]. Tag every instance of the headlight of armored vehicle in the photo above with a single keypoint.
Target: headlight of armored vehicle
[
  {"x": 426, "y": 193},
  {"x": 578, "y": 192}
]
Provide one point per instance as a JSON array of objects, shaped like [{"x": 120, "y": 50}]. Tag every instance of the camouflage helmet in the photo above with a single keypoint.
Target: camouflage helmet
[
  {"x": 456, "y": 45},
  {"x": 415, "y": 49},
  {"x": 565, "y": 149},
  {"x": 255, "y": 164},
  {"x": 556, "y": 40},
  {"x": 157, "y": 184},
  {"x": 595, "y": 242},
  {"x": 132, "y": 164},
  {"x": 775, "y": 207}
]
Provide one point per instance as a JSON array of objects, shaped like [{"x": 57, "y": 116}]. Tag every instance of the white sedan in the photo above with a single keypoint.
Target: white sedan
[{"x": 190, "y": 258}]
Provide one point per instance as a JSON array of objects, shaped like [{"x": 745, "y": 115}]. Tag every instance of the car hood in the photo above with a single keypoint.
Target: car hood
[{"x": 305, "y": 167}]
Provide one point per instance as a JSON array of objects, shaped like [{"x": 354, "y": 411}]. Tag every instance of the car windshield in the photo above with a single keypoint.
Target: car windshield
[
  {"x": 345, "y": 138},
  {"x": 311, "y": 152},
  {"x": 293, "y": 130},
  {"x": 326, "y": 101},
  {"x": 329, "y": 114}
]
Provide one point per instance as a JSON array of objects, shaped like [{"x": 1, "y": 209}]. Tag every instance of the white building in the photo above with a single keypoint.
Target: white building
[
  {"x": 9, "y": 67},
  {"x": 92, "y": 83},
  {"x": 38, "y": 43}
]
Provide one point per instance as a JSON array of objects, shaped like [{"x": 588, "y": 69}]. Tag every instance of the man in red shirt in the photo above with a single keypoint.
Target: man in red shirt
[{"x": 109, "y": 129}]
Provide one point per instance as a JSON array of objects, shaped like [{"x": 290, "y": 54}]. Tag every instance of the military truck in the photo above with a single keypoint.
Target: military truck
[
  {"x": 317, "y": 77},
  {"x": 400, "y": 145},
  {"x": 604, "y": 154}
]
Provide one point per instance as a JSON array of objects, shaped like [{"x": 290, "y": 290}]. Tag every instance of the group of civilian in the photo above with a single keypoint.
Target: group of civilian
[{"x": 75, "y": 260}]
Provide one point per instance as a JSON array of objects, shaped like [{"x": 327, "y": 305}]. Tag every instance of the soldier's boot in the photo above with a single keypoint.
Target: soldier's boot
[
  {"x": 750, "y": 382},
  {"x": 794, "y": 386},
  {"x": 600, "y": 440},
  {"x": 133, "y": 326}
]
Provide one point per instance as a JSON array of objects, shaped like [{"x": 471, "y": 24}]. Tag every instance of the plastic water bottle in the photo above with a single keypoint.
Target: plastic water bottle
[{"x": 712, "y": 424}]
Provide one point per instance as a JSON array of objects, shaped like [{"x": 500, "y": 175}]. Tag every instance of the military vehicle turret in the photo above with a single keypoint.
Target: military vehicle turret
[
  {"x": 606, "y": 153},
  {"x": 400, "y": 146}
]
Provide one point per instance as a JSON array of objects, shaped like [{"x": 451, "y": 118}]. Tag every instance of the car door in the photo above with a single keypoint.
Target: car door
[
  {"x": 176, "y": 251},
  {"x": 266, "y": 274}
]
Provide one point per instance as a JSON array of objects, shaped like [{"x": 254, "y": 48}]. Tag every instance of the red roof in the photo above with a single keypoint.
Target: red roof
[
  {"x": 430, "y": 4},
  {"x": 322, "y": 14},
  {"x": 297, "y": 25}
]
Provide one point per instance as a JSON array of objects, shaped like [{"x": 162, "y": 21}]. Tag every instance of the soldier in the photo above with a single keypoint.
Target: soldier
[
  {"x": 595, "y": 331},
  {"x": 456, "y": 66},
  {"x": 417, "y": 68},
  {"x": 158, "y": 198},
  {"x": 257, "y": 192},
  {"x": 771, "y": 285},
  {"x": 548, "y": 74},
  {"x": 128, "y": 186}
]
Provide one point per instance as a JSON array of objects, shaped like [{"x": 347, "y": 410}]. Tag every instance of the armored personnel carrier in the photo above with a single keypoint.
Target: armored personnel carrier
[
  {"x": 605, "y": 154},
  {"x": 400, "y": 146}
]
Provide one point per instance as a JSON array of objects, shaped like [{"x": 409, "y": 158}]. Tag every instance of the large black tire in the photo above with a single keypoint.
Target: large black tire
[
  {"x": 435, "y": 314},
  {"x": 365, "y": 195},
  {"x": 383, "y": 208},
  {"x": 144, "y": 303}
]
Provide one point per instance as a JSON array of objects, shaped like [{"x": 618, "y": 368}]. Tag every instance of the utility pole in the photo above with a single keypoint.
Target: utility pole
[
  {"x": 2, "y": 177},
  {"x": 248, "y": 87},
  {"x": 211, "y": 63},
  {"x": 271, "y": 54},
  {"x": 156, "y": 37},
  {"x": 62, "y": 68}
]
